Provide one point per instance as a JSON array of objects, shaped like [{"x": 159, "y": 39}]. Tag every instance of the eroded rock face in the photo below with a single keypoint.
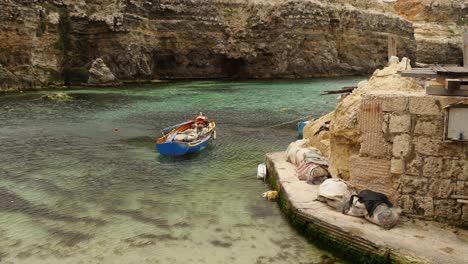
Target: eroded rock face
[
  {"x": 12, "y": 82},
  {"x": 177, "y": 39},
  {"x": 200, "y": 39},
  {"x": 28, "y": 32},
  {"x": 438, "y": 28},
  {"x": 100, "y": 74}
]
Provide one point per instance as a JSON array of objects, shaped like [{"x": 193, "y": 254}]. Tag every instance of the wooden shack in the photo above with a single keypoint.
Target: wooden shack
[{"x": 442, "y": 80}]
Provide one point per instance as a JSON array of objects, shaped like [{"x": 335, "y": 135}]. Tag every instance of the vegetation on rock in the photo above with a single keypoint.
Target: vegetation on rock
[{"x": 57, "y": 96}]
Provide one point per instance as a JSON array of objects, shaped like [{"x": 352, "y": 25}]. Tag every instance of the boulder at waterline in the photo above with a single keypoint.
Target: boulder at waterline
[{"x": 101, "y": 75}]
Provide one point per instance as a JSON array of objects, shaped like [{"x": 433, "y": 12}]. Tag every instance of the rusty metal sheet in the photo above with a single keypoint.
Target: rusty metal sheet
[
  {"x": 373, "y": 174},
  {"x": 370, "y": 119}
]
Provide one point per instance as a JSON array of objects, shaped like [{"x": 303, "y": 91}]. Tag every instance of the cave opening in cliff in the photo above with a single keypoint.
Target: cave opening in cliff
[{"x": 234, "y": 68}]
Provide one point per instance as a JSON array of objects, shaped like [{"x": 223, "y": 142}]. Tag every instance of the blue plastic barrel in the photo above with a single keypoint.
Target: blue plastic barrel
[{"x": 300, "y": 128}]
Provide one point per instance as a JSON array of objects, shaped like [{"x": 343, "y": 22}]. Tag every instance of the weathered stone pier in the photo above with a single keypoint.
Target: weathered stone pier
[{"x": 353, "y": 238}]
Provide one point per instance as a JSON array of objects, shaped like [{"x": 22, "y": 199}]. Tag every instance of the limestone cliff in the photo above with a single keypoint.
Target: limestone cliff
[
  {"x": 438, "y": 27},
  {"x": 45, "y": 42},
  {"x": 55, "y": 40},
  {"x": 28, "y": 36}
]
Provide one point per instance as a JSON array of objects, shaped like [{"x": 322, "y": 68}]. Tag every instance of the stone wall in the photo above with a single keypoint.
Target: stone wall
[
  {"x": 402, "y": 153},
  {"x": 388, "y": 136},
  {"x": 426, "y": 169}
]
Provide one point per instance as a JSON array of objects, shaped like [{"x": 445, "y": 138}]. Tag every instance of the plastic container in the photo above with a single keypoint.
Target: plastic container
[{"x": 300, "y": 128}]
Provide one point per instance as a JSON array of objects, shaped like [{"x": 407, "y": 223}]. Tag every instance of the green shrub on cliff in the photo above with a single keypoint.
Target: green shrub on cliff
[
  {"x": 64, "y": 31},
  {"x": 64, "y": 25}
]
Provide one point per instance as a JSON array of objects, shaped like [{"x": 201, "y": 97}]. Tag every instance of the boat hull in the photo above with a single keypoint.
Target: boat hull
[
  {"x": 175, "y": 149},
  {"x": 168, "y": 147}
]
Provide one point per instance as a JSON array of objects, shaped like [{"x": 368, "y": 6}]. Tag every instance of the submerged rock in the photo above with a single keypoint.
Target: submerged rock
[
  {"x": 101, "y": 75},
  {"x": 11, "y": 202},
  {"x": 57, "y": 96}
]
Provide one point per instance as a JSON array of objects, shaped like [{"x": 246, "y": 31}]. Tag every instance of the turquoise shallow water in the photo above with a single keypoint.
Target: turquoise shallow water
[{"x": 72, "y": 190}]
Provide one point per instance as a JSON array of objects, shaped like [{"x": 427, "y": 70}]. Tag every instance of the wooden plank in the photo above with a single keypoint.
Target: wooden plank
[
  {"x": 456, "y": 69},
  {"x": 452, "y": 84},
  {"x": 444, "y": 92},
  {"x": 465, "y": 49},
  {"x": 419, "y": 73},
  {"x": 421, "y": 69},
  {"x": 459, "y": 197},
  {"x": 451, "y": 71},
  {"x": 438, "y": 68},
  {"x": 346, "y": 89}
]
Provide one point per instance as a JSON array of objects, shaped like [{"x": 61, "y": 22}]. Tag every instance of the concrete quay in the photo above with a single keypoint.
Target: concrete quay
[{"x": 355, "y": 239}]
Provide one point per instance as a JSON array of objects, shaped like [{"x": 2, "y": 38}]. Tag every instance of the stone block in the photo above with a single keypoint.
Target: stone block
[
  {"x": 406, "y": 204},
  {"x": 399, "y": 124},
  {"x": 427, "y": 146},
  {"x": 414, "y": 167},
  {"x": 417, "y": 205},
  {"x": 394, "y": 104},
  {"x": 465, "y": 214},
  {"x": 424, "y": 105},
  {"x": 448, "y": 100},
  {"x": 441, "y": 188},
  {"x": 413, "y": 185},
  {"x": 386, "y": 121},
  {"x": 447, "y": 209},
  {"x": 433, "y": 167},
  {"x": 464, "y": 175},
  {"x": 401, "y": 145},
  {"x": 453, "y": 169},
  {"x": 451, "y": 149},
  {"x": 462, "y": 188},
  {"x": 423, "y": 206},
  {"x": 429, "y": 127},
  {"x": 397, "y": 166}
]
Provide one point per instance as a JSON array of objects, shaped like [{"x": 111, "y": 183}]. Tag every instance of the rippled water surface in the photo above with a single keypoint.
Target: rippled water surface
[{"x": 72, "y": 190}]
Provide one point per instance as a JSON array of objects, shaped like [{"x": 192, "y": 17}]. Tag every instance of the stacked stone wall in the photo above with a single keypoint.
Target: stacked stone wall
[{"x": 425, "y": 169}]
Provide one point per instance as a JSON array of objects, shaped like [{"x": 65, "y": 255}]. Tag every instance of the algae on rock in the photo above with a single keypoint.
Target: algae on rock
[{"x": 57, "y": 96}]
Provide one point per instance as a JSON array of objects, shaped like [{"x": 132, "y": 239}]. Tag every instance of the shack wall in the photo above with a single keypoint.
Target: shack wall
[{"x": 403, "y": 154}]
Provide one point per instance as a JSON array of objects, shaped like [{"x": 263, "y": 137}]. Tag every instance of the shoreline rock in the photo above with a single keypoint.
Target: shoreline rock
[{"x": 101, "y": 75}]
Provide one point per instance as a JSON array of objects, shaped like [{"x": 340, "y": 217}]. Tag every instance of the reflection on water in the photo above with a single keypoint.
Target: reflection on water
[{"x": 72, "y": 190}]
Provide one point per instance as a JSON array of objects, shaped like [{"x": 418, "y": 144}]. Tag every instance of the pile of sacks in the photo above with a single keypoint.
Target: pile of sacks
[
  {"x": 373, "y": 206},
  {"x": 312, "y": 167},
  {"x": 190, "y": 135},
  {"x": 187, "y": 136}
]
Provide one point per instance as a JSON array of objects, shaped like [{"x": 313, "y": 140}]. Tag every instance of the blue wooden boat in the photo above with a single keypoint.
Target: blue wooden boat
[{"x": 187, "y": 137}]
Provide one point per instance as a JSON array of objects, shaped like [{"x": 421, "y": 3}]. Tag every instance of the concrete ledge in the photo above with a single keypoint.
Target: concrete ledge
[{"x": 353, "y": 238}]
